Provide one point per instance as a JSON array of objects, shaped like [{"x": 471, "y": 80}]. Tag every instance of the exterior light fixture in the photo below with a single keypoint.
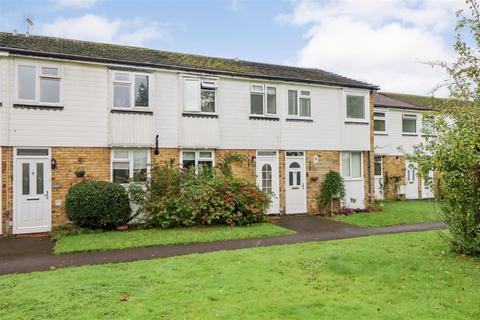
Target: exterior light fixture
[{"x": 53, "y": 163}]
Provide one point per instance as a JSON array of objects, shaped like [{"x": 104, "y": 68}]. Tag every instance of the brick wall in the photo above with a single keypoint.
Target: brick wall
[
  {"x": 95, "y": 162},
  {"x": 245, "y": 170},
  {"x": 393, "y": 166},
  {"x": 7, "y": 184},
  {"x": 165, "y": 156}
]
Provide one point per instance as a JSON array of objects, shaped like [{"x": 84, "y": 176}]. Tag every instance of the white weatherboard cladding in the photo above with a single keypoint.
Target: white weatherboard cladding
[
  {"x": 4, "y": 98},
  {"x": 83, "y": 122},
  {"x": 395, "y": 143},
  {"x": 355, "y": 194},
  {"x": 132, "y": 130},
  {"x": 199, "y": 132}
]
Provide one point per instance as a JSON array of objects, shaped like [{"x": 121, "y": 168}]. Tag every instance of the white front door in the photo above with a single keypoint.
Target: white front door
[
  {"x": 411, "y": 180},
  {"x": 32, "y": 212},
  {"x": 295, "y": 182},
  {"x": 267, "y": 177},
  {"x": 378, "y": 177},
  {"x": 427, "y": 188}
]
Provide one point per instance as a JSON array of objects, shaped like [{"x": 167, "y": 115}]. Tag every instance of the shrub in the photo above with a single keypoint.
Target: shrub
[
  {"x": 97, "y": 205},
  {"x": 332, "y": 188},
  {"x": 176, "y": 197}
]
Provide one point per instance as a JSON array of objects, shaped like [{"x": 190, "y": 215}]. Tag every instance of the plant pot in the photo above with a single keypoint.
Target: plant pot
[{"x": 80, "y": 173}]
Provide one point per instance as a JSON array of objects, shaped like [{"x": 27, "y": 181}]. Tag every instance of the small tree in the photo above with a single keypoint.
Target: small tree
[
  {"x": 332, "y": 188},
  {"x": 452, "y": 146}
]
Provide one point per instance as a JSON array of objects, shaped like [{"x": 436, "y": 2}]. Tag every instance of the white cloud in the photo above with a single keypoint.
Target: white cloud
[
  {"x": 75, "y": 3},
  {"x": 97, "y": 28},
  {"x": 381, "y": 42}
]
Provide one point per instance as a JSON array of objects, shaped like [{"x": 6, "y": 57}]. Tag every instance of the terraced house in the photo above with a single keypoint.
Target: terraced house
[
  {"x": 398, "y": 126},
  {"x": 110, "y": 112}
]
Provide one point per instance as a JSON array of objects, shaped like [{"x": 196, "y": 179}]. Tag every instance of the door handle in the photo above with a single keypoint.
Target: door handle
[{"x": 46, "y": 194}]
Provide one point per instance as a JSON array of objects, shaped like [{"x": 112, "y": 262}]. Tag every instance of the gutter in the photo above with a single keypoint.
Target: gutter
[{"x": 183, "y": 68}]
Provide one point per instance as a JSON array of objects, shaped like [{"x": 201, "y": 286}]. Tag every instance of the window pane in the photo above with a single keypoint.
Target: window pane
[
  {"x": 121, "y": 95},
  {"x": 257, "y": 88},
  {"x": 117, "y": 154},
  {"x": 26, "y": 82},
  {"x": 40, "y": 175},
  {"x": 356, "y": 165},
  {"x": 32, "y": 152},
  {"x": 271, "y": 100},
  {"x": 141, "y": 91},
  {"x": 49, "y": 90},
  {"x": 378, "y": 166},
  {"x": 121, "y": 172},
  {"x": 25, "y": 178},
  {"x": 379, "y": 114},
  {"x": 290, "y": 178},
  {"x": 292, "y": 103},
  {"x": 299, "y": 179},
  {"x": 356, "y": 107},
  {"x": 140, "y": 165},
  {"x": 204, "y": 164},
  {"x": 256, "y": 101},
  {"x": 205, "y": 154},
  {"x": 48, "y": 71},
  {"x": 409, "y": 125},
  {"x": 379, "y": 125},
  {"x": 192, "y": 95},
  {"x": 188, "y": 156},
  {"x": 208, "y": 100},
  {"x": 305, "y": 93},
  {"x": 122, "y": 76},
  {"x": 305, "y": 107},
  {"x": 346, "y": 164}
]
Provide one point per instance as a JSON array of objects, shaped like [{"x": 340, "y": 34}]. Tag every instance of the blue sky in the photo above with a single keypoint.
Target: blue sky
[{"x": 379, "y": 41}]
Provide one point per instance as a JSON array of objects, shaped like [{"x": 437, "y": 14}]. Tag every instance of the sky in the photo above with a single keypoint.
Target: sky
[{"x": 383, "y": 42}]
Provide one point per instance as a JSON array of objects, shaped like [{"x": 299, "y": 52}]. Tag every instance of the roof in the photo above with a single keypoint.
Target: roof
[
  {"x": 128, "y": 55},
  {"x": 405, "y": 101}
]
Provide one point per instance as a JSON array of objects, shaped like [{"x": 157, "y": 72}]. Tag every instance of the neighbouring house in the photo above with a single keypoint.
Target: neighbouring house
[
  {"x": 113, "y": 111},
  {"x": 398, "y": 124}
]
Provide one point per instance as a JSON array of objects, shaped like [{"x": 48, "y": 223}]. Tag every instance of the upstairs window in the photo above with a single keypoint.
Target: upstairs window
[
  {"x": 263, "y": 100},
  {"x": 199, "y": 96},
  {"x": 198, "y": 159},
  {"x": 38, "y": 84},
  {"x": 351, "y": 165},
  {"x": 379, "y": 122},
  {"x": 299, "y": 103},
  {"x": 130, "y": 165},
  {"x": 356, "y": 107},
  {"x": 409, "y": 124},
  {"x": 130, "y": 90}
]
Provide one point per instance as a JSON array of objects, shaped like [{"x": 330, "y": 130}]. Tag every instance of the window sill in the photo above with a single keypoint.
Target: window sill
[
  {"x": 380, "y": 133},
  {"x": 260, "y": 117},
  {"x": 410, "y": 134},
  {"x": 357, "y": 122},
  {"x": 199, "y": 115},
  {"x": 299, "y": 119},
  {"x": 352, "y": 179},
  {"x": 130, "y": 111},
  {"x": 37, "y": 106}
]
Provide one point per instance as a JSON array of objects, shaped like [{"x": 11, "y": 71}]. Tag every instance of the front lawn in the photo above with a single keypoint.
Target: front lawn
[
  {"x": 395, "y": 212},
  {"x": 101, "y": 241},
  {"x": 402, "y": 276}
]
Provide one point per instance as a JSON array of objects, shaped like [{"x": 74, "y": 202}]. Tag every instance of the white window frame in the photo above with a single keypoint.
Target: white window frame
[
  {"x": 197, "y": 156},
  {"x": 299, "y": 97},
  {"x": 38, "y": 76},
  {"x": 264, "y": 93},
  {"x": 366, "y": 110},
  {"x": 410, "y": 116},
  {"x": 131, "y": 82},
  {"x": 381, "y": 166},
  {"x": 384, "y": 119},
  {"x": 202, "y": 84},
  {"x": 129, "y": 161},
  {"x": 349, "y": 177}
]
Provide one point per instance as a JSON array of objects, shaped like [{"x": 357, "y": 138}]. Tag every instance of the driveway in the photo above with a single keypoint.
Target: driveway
[{"x": 19, "y": 255}]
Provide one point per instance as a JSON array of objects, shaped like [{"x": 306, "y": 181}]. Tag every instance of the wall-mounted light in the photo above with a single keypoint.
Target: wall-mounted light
[
  {"x": 252, "y": 161},
  {"x": 53, "y": 163},
  {"x": 156, "y": 152}
]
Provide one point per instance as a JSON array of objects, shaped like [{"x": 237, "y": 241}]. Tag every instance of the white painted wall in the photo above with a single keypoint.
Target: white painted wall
[
  {"x": 86, "y": 119},
  {"x": 395, "y": 143}
]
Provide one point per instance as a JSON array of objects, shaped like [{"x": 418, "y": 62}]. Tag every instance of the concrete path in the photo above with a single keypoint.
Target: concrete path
[{"x": 19, "y": 255}]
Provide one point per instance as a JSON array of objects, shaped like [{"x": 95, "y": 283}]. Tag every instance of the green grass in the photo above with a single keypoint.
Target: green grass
[
  {"x": 402, "y": 276},
  {"x": 102, "y": 241},
  {"x": 395, "y": 212}
]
